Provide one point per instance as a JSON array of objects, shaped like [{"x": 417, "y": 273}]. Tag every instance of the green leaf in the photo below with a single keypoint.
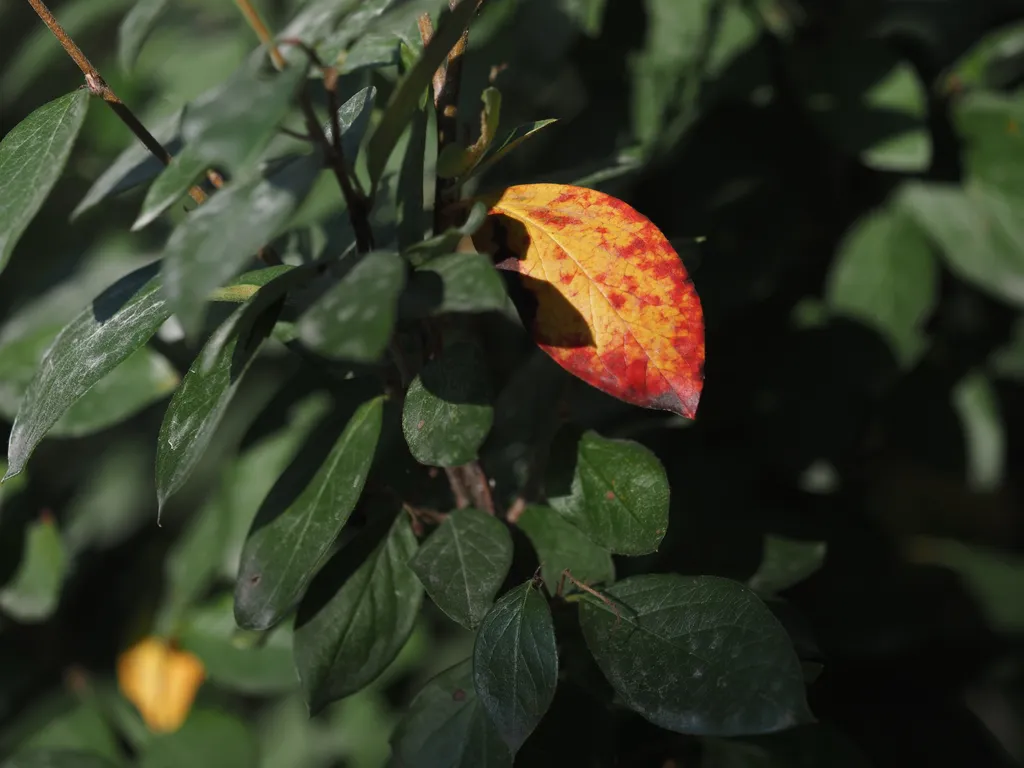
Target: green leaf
[
  {"x": 446, "y": 242},
  {"x": 464, "y": 563},
  {"x": 354, "y": 319},
  {"x": 515, "y": 663},
  {"x": 205, "y": 733},
  {"x": 227, "y": 128},
  {"x": 134, "y": 166},
  {"x": 615, "y": 491},
  {"x": 446, "y": 727},
  {"x": 561, "y": 546},
  {"x": 135, "y": 28},
  {"x": 217, "y": 239},
  {"x": 989, "y": 125},
  {"x": 447, "y": 413},
  {"x": 456, "y": 282},
  {"x": 409, "y": 190},
  {"x": 975, "y": 401},
  {"x": 371, "y": 51},
  {"x": 979, "y": 231},
  {"x": 696, "y": 654},
  {"x": 406, "y": 96},
  {"x": 994, "y": 62},
  {"x": 514, "y": 138},
  {"x": 785, "y": 563},
  {"x": 57, "y": 758},
  {"x": 869, "y": 101},
  {"x": 249, "y": 663},
  {"x": 456, "y": 160},
  {"x": 302, "y": 516},
  {"x": 105, "y": 334},
  {"x": 198, "y": 406},
  {"x": 1008, "y": 361},
  {"x": 32, "y": 157},
  {"x": 373, "y": 23},
  {"x": 65, "y": 722},
  {"x": 886, "y": 278},
  {"x": 33, "y": 592},
  {"x": 345, "y": 638}
]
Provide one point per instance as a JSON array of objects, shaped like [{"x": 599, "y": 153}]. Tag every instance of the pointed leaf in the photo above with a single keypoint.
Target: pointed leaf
[
  {"x": 614, "y": 491},
  {"x": 406, "y": 96},
  {"x": 354, "y": 319},
  {"x": 515, "y": 663},
  {"x": 457, "y": 282},
  {"x": 464, "y": 563},
  {"x": 300, "y": 519},
  {"x": 605, "y": 294},
  {"x": 514, "y": 138},
  {"x": 33, "y": 592},
  {"x": 446, "y": 727},
  {"x": 696, "y": 654},
  {"x": 345, "y": 638},
  {"x": 785, "y": 563},
  {"x": 226, "y": 128},
  {"x": 118, "y": 322},
  {"x": 135, "y": 28},
  {"x": 977, "y": 404},
  {"x": 562, "y": 546},
  {"x": 32, "y": 158},
  {"x": 447, "y": 412}
]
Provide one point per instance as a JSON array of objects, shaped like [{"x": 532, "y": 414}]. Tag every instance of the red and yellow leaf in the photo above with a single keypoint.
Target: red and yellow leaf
[
  {"x": 613, "y": 302},
  {"x": 161, "y": 681}
]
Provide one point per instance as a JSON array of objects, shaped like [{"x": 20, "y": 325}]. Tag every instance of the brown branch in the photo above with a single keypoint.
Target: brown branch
[
  {"x": 256, "y": 22},
  {"x": 98, "y": 86}
]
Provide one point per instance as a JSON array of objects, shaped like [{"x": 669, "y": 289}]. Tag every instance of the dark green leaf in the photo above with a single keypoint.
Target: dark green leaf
[
  {"x": 786, "y": 562},
  {"x": 118, "y": 322},
  {"x": 615, "y": 491},
  {"x": 354, "y": 319},
  {"x": 409, "y": 190},
  {"x": 345, "y": 638},
  {"x": 32, "y": 593},
  {"x": 457, "y": 282},
  {"x": 406, "y": 97},
  {"x": 561, "y": 546},
  {"x": 204, "y": 734},
  {"x": 302, "y": 516},
  {"x": 371, "y": 51},
  {"x": 447, "y": 242},
  {"x": 373, "y": 23},
  {"x": 885, "y": 277},
  {"x": 226, "y": 128},
  {"x": 809, "y": 746},
  {"x": 447, "y": 412},
  {"x": 57, "y": 758},
  {"x": 979, "y": 231},
  {"x": 32, "y": 158},
  {"x": 218, "y": 238},
  {"x": 245, "y": 662},
  {"x": 990, "y": 126},
  {"x": 210, "y": 384},
  {"x": 976, "y": 403},
  {"x": 135, "y": 28},
  {"x": 446, "y": 727},
  {"x": 994, "y": 62},
  {"x": 134, "y": 166},
  {"x": 464, "y": 563},
  {"x": 354, "y": 119},
  {"x": 515, "y": 663},
  {"x": 514, "y": 138},
  {"x": 696, "y": 654},
  {"x": 1008, "y": 361},
  {"x": 63, "y": 722}
]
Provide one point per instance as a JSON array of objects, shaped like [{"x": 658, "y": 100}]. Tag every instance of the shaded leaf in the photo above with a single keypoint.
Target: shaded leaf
[
  {"x": 161, "y": 681},
  {"x": 447, "y": 412},
  {"x": 975, "y": 401},
  {"x": 57, "y": 758},
  {"x": 456, "y": 160},
  {"x": 60, "y": 723},
  {"x": 514, "y": 138},
  {"x": 614, "y": 491},
  {"x": 885, "y": 277},
  {"x": 464, "y": 563},
  {"x": 353, "y": 319},
  {"x": 786, "y": 562},
  {"x": 996, "y": 61},
  {"x": 457, "y": 282},
  {"x": 409, "y": 208},
  {"x": 696, "y": 654},
  {"x": 989, "y": 125},
  {"x": 300, "y": 519},
  {"x": 604, "y": 292},
  {"x": 206, "y": 733},
  {"x": 345, "y": 637},
  {"x": 448, "y": 241},
  {"x": 515, "y": 663},
  {"x": 32, "y": 157},
  {"x": 562, "y": 546},
  {"x": 135, "y": 28},
  {"x": 1008, "y": 360},
  {"x": 446, "y": 727},
  {"x": 227, "y": 128},
  {"x": 34, "y": 590}
]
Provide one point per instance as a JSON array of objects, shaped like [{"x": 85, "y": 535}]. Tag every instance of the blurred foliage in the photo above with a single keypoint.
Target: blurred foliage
[{"x": 843, "y": 179}]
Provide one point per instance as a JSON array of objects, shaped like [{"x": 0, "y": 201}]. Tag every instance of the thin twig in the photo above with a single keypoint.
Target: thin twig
[
  {"x": 98, "y": 86},
  {"x": 256, "y": 22}
]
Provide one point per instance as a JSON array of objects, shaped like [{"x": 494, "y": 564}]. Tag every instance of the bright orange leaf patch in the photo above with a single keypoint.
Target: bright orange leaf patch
[
  {"x": 160, "y": 681},
  {"x": 614, "y": 305}
]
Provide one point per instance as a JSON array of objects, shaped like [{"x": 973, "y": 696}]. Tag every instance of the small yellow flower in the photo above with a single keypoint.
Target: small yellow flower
[{"x": 161, "y": 681}]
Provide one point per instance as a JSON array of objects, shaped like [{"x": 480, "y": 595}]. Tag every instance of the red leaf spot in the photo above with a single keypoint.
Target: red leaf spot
[
  {"x": 567, "y": 278},
  {"x": 617, "y": 300},
  {"x": 459, "y": 695},
  {"x": 556, "y": 220},
  {"x": 610, "y": 495}
]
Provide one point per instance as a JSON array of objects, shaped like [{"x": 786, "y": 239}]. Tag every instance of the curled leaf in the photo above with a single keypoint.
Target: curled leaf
[{"x": 604, "y": 293}]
